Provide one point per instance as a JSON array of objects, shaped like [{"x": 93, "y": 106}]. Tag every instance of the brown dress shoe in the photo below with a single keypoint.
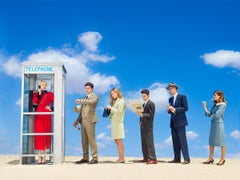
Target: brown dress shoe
[{"x": 152, "y": 162}]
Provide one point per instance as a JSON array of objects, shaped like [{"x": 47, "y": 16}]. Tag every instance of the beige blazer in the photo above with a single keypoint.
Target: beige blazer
[{"x": 88, "y": 109}]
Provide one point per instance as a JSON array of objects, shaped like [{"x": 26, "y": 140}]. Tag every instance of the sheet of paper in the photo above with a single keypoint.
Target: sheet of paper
[{"x": 136, "y": 106}]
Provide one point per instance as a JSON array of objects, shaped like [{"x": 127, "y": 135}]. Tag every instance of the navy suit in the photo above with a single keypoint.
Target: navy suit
[
  {"x": 178, "y": 123},
  {"x": 147, "y": 131}
]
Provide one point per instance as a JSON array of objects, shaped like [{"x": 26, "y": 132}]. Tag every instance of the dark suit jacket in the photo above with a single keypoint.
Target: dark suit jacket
[
  {"x": 179, "y": 118},
  {"x": 148, "y": 116}
]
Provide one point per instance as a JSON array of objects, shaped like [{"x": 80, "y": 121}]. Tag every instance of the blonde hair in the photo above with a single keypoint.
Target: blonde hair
[
  {"x": 119, "y": 94},
  {"x": 43, "y": 82}
]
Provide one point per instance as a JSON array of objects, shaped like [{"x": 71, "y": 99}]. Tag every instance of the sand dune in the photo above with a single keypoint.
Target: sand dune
[{"x": 10, "y": 169}]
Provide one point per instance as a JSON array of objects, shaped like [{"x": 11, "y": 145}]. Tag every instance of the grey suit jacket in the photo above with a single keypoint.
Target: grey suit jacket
[
  {"x": 148, "y": 116},
  {"x": 88, "y": 109}
]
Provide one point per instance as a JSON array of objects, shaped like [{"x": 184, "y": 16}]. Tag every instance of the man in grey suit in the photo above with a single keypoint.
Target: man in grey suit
[
  {"x": 88, "y": 119},
  {"x": 146, "y": 125}
]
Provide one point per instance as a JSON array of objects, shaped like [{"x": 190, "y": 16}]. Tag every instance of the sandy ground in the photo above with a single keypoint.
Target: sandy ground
[{"x": 10, "y": 169}]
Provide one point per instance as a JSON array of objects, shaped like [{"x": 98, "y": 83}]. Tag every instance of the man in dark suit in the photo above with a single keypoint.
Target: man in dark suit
[
  {"x": 146, "y": 125},
  {"x": 177, "y": 107}
]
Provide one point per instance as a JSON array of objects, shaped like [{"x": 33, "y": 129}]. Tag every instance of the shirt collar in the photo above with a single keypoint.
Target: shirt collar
[
  {"x": 145, "y": 102},
  {"x": 89, "y": 95},
  {"x": 175, "y": 95}
]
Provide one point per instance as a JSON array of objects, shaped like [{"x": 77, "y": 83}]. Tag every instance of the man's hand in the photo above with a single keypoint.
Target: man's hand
[
  {"x": 140, "y": 114},
  {"x": 75, "y": 124},
  {"x": 172, "y": 109},
  {"x": 78, "y": 101}
]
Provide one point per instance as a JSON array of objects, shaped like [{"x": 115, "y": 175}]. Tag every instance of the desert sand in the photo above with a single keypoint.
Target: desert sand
[{"x": 10, "y": 169}]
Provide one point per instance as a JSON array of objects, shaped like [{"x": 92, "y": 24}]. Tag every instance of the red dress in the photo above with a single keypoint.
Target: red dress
[{"x": 42, "y": 123}]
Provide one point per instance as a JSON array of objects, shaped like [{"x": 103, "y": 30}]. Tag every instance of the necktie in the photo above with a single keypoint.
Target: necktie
[{"x": 174, "y": 100}]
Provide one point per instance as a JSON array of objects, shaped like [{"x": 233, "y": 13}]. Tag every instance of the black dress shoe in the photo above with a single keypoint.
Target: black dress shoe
[
  {"x": 186, "y": 162},
  {"x": 82, "y": 161},
  {"x": 174, "y": 161},
  {"x": 93, "y": 161}
]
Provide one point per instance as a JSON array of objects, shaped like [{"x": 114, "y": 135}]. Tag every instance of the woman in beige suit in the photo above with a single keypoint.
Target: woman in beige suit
[{"x": 117, "y": 108}]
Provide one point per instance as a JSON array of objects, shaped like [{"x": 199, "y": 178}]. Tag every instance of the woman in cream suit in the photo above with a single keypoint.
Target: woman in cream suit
[{"x": 117, "y": 109}]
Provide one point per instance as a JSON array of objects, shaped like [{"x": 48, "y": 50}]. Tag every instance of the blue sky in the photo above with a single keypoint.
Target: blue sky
[{"x": 131, "y": 45}]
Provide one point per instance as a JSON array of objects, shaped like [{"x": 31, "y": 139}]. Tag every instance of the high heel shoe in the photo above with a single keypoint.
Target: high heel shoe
[
  {"x": 43, "y": 160},
  {"x": 209, "y": 161},
  {"x": 221, "y": 162},
  {"x": 120, "y": 161},
  {"x": 39, "y": 160}
]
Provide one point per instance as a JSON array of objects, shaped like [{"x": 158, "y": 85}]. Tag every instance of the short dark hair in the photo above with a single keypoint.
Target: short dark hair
[
  {"x": 145, "y": 91},
  {"x": 89, "y": 84}
]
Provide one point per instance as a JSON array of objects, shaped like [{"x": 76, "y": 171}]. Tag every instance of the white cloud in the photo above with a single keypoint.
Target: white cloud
[
  {"x": 191, "y": 135},
  {"x": 12, "y": 66},
  {"x": 75, "y": 62},
  {"x": 235, "y": 134},
  {"x": 158, "y": 94},
  {"x": 90, "y": 40},
  {"x": 19, "y": 102},
  {"x": 234, "y": 156},
  {"x": 108, "y": 126},
  {"x": 106, "y": 139},
  {"x": 223, "y": 58},
  {"x": 100, "y": 145},
  {"x": 168, "y": 142}
]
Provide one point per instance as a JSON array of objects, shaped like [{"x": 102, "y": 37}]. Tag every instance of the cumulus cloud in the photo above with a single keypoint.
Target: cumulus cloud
[
  {"x": 19, "y": 102},
  {"x": 191, "y": 135},
  {"x": 235, "y": 134},
  {"x": 12, "y": 66},
  {"x": 90, "y": 40},
  {"x": 223, "y": 58},
  {"x": 158, "y": 94},
  {"x": 75, "y": 61},
  {"x": 168, "y": 141},
  {"x": 106, "y": 139}
]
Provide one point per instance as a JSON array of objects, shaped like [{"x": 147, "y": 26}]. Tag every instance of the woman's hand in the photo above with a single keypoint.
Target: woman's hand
[
  {"x": 204, "y": 103},
  {"x": 109, "y": 107},
  {"x": 48, "y": 108}
]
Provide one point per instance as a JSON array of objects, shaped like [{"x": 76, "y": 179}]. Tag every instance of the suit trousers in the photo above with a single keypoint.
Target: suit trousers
[
  {"x": 180, "y": 143},
  {"x": 148, "y": 149},
  {"x": 88, "y": 138}
]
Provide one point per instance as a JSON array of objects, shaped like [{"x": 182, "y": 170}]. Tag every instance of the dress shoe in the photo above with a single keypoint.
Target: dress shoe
[
  {"x": 221, "y": 162},
  {"x": 152, "y": 161},
  {"x": 82, "y": 161},
  {"x": 174, "y": 161},
  {"x": 93, "y": 161},
  {"x": 186, "y": 162},
  {"x": 209, "y": 161}
]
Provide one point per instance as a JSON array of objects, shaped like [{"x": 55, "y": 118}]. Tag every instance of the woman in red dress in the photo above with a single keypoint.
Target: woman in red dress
[{"x": 42, "y": 123}]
